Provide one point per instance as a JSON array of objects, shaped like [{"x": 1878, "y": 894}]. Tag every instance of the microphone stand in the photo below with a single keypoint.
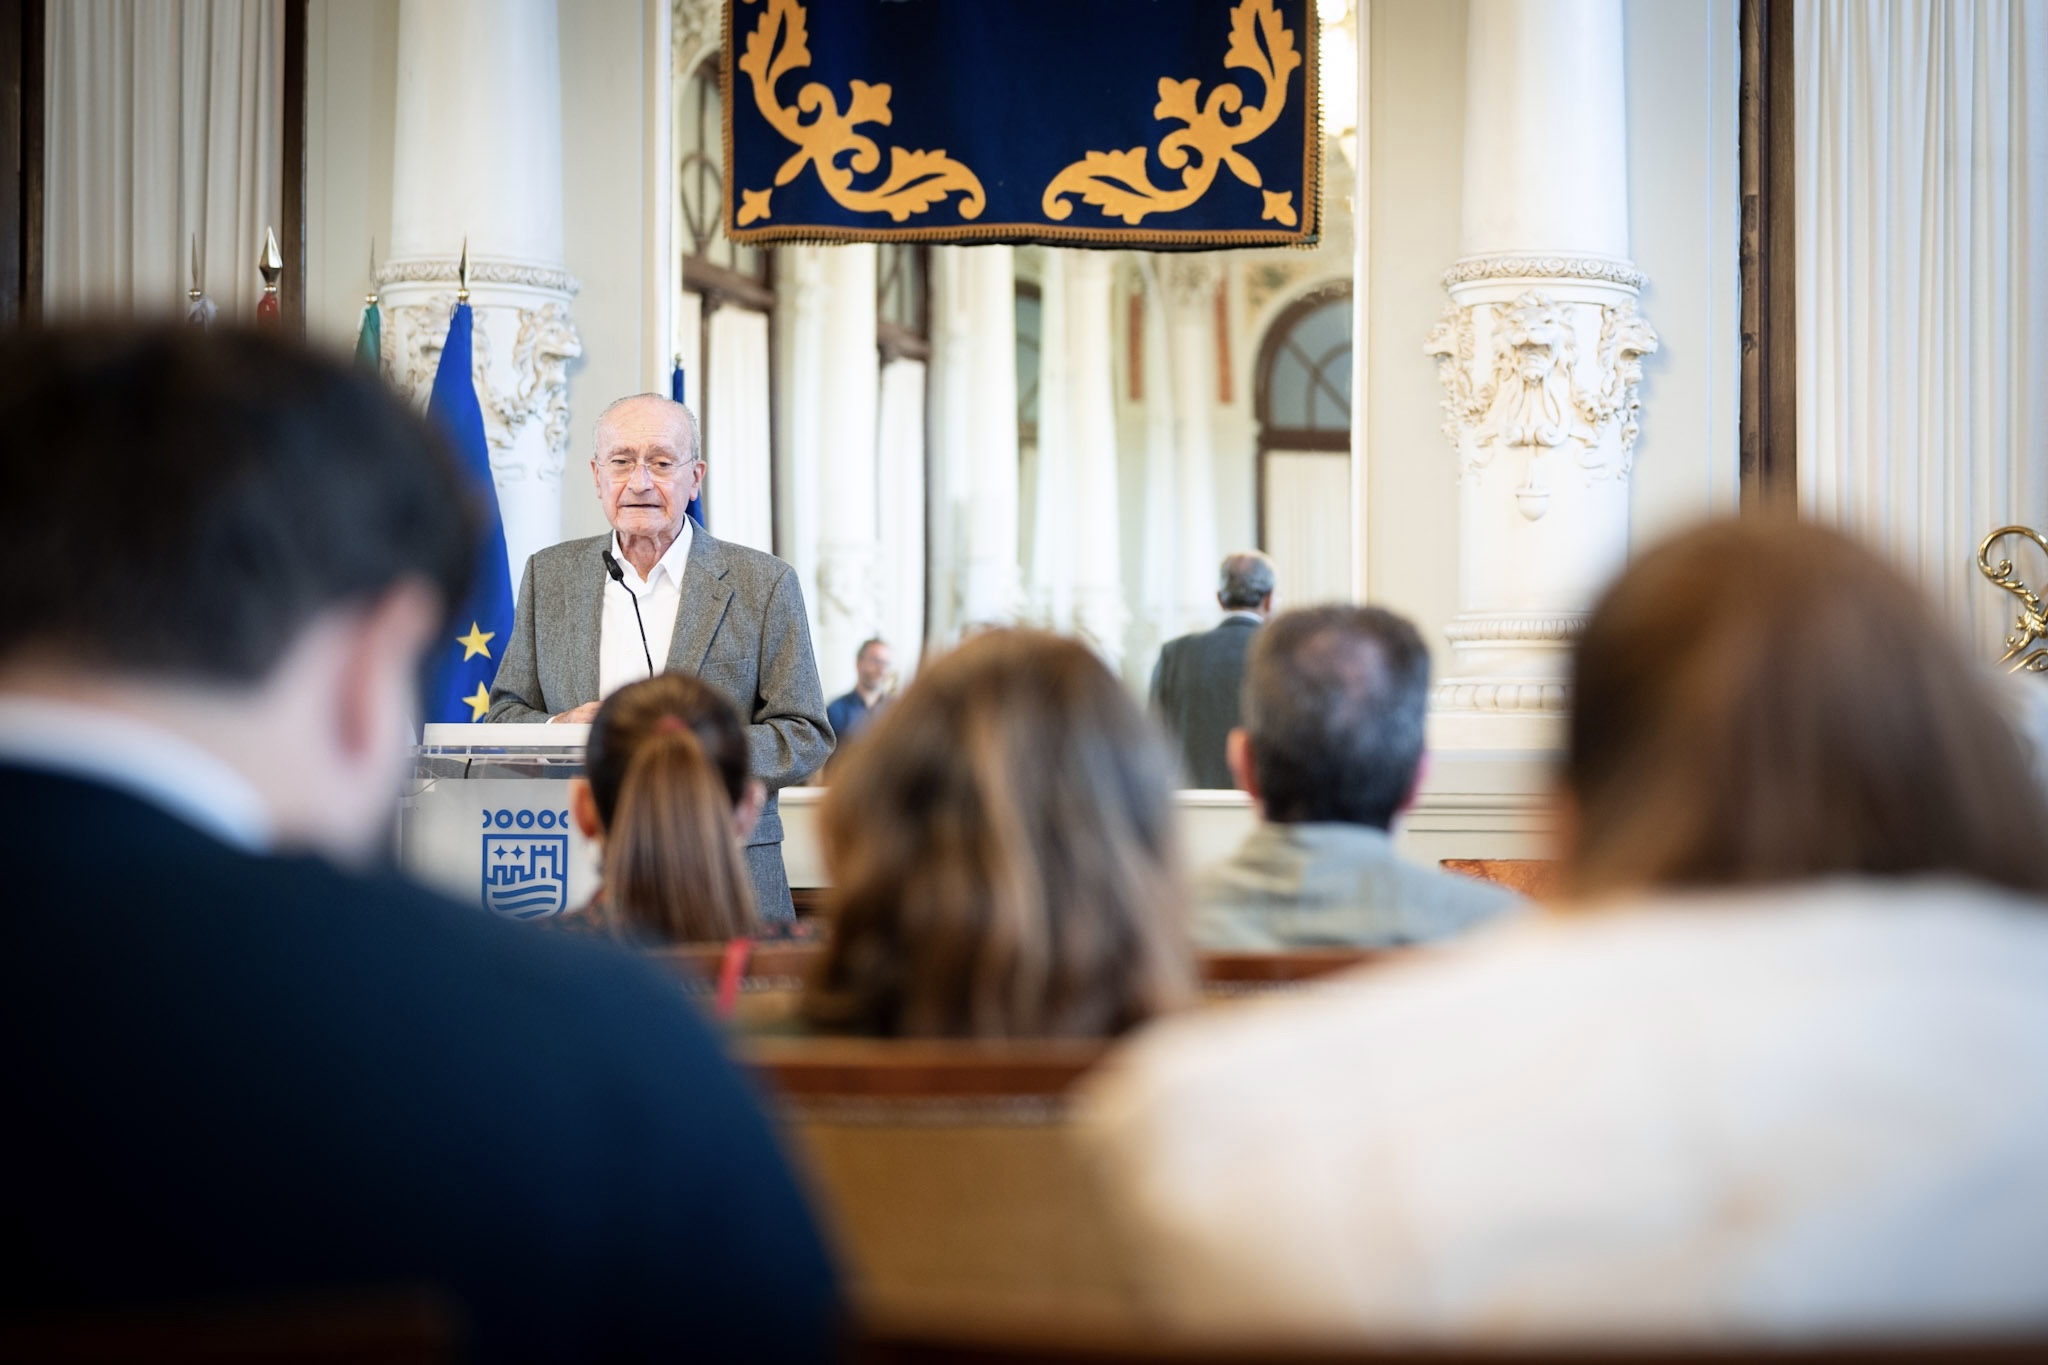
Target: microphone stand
[{"x": 611, "y": 566}]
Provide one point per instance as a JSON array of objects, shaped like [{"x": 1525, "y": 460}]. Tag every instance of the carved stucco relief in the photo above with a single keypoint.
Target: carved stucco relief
[
  {"x": 545, "y": 340},
  {"x": 1531, "y": 391}
]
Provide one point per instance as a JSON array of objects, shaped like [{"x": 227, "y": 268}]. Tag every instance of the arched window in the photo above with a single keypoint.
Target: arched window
[
  {"x": 722, "y": 325},
  {"x": 1303, "y": 403}
]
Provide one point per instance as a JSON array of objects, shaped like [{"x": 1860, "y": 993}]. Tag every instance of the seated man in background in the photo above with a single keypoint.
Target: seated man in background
[
  {"x": 1779, "y": 1069},
  {"x": 1331, "y": 750},
  {"x": 851, "y": 713},
  {"x": 244, "y": 1068}
]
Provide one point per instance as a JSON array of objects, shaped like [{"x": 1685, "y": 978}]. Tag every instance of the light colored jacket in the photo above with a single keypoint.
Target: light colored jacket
[
  {"x": 740, "y": 627},
  {"x": 1332, "y": 885},
  {"x": 1797, "y": 1110}
]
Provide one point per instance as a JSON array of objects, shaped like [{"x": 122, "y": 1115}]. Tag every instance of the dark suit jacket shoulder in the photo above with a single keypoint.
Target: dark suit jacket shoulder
[
  {"x": 239, "y": 1077},
  {"x": 1195, "y": 689}
]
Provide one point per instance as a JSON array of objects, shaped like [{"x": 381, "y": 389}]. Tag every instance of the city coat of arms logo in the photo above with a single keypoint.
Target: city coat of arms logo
[{"x": 526, "y": 874}]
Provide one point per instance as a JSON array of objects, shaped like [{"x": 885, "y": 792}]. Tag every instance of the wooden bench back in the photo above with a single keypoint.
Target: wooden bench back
[
  {"x": 778, "y": 966},
  {"x": 946, "y": 1173}
]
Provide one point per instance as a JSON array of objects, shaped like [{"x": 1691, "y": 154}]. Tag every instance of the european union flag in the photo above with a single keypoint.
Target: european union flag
[{"x": 463, "y": 667}]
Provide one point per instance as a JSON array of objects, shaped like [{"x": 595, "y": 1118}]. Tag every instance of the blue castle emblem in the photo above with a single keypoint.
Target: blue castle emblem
[{"x": 526, "y": 875}]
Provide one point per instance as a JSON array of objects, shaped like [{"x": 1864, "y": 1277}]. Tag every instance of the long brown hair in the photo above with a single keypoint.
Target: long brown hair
[
  {"x": 667, "y": 762},
  {"x": 1002, "y": 855},
  {"x": 1768, "y": 702}
]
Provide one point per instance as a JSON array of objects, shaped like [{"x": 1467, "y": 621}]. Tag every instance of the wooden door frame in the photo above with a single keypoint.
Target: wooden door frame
[{"x": 1769, "y": 420}]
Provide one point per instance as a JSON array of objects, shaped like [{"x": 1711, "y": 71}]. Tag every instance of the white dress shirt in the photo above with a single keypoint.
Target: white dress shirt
[
  {"x": 619, "y": 658},
  {"x": 1793, "y": 1110},
  {"x": 132, "y": 756}
]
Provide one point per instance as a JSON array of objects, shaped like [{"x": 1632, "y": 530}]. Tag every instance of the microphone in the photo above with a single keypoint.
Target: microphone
[{"x": 611, "y": 566}]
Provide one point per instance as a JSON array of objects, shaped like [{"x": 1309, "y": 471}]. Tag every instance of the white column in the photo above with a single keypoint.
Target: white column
[
  {"x": 1158, "y": 614},
  {"x": 478, "y": 155},
  {"x": 1189, "y": 284},
  {"x": 900, "y": 516},
  {"x": 833, "y": 452},
  {"x": 1539, "y": 353},
  {"x": 801, "y": 424},
  {"x": 974, "y": 434},
  {"x": 1053, "y": 543},
  {"x": 1076, "y": 572},
  {"x": 1099, "y": 615}
]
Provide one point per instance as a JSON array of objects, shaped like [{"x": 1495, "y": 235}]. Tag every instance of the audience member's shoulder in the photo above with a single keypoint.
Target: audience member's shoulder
[{"x": 591, "y": 985}]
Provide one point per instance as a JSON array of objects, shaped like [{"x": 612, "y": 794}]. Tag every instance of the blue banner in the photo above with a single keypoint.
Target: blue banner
[
  {"x": 1157, "y": 124},
  {"x": 460, "y": 680},
  {"x": 678, "y": 385}
]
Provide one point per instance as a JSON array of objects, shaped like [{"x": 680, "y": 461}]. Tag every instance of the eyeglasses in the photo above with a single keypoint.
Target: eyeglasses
[{"x": 660, "y": 468}]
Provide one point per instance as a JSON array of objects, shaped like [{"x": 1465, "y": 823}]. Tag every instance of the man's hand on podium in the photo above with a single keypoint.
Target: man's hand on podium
[{"x": 577, "y": 715}]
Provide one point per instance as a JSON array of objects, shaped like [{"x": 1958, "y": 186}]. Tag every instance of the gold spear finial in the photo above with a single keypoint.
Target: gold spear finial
[
  {"x": 195, "y": 293},
  {"x": 370, "y": 299},
  {"x": 462, "y": 273},
  {"x": 271, "y": 262}
]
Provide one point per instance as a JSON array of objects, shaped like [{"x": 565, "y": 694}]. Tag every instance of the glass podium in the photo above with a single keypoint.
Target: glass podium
[{"x": 485, "y": 818}]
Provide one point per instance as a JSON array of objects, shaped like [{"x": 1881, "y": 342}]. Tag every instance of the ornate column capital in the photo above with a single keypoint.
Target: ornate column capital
[
  {"x": 1188, "y": 280},
  {"x": 1539, "y": 385},
  {"x": 521, "y": 347}
]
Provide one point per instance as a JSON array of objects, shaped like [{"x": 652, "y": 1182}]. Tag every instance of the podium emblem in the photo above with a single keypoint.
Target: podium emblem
[{"x": 526, "y": 876}]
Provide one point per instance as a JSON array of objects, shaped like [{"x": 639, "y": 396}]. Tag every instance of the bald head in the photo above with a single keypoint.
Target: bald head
[{"x": 655, "y": 409}]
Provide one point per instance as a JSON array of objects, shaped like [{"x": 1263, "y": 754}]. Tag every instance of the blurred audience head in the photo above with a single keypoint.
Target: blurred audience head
[
  {"x": 1245, "y": 582},
  {"x": 1002, "y": 855},
  {"x": 1334, "y": 701},
  {"x": 872, "y": 663},
  {"x": 236, "y": 539},
  {"x": 666, "y": 787},
  {"x": 1766, "y": 702}
]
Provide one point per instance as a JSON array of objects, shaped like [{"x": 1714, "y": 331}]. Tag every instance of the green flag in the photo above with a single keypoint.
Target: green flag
[{"x": 370, "y": 341}]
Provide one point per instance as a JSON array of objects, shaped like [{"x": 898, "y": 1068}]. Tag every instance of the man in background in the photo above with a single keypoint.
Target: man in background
[
  {"x": 1196, "y": 682},
  {"x": 1331, "y": 750},
  {"x": 245, "y": 1068},
  {"x": 872, "y": 664}
]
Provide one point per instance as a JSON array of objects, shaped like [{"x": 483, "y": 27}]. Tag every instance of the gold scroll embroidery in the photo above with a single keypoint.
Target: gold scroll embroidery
[
  {"x": 1117, "y": 182},
  {"x": 916, "y": 180}
]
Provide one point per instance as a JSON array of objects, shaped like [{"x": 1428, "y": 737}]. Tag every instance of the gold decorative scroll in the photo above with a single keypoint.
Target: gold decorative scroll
[
  {"x": 916, "y": 180},
  {"x": 2033, "y": 620},
  {"x": 1118, "y": 183}
]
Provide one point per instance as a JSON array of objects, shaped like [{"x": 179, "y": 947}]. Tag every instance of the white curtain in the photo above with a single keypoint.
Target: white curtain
[
  {"x": 899, "y": 507},
  {"x": 164, "y": 122},
  {"x": 1308, "y": 526},
  {"x": 1922, "y": 148},
  {"x": 736, "y": 489},
  {"x": 689, "y": 338}
]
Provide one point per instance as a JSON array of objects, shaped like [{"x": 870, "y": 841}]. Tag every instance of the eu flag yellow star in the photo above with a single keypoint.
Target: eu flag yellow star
[
  {"x": 479, "y": 703},
  {"x": 478, "y": 641}
]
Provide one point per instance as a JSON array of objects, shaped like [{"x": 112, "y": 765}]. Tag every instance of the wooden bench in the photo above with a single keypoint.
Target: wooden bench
[
  {"x": 1536, "y": 878},
  {"x": 944, "y": 1171},
  {"x": 893, "y": 1341},
  {"x": 785, "y": 966}
]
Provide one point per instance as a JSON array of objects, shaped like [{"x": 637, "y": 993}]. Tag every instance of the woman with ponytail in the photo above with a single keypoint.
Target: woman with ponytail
[{"x": 666, "y": 792}]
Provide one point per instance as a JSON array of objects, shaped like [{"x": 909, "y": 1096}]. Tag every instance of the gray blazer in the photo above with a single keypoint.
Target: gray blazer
[
  {"x": 1330, "y": 885},
  {"x": 1195, "y": 690},
  {"x": 740, "y": 627}
]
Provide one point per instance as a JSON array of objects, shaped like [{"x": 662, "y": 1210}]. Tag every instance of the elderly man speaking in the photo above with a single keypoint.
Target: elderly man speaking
[{"x": 730, "y": 615}]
